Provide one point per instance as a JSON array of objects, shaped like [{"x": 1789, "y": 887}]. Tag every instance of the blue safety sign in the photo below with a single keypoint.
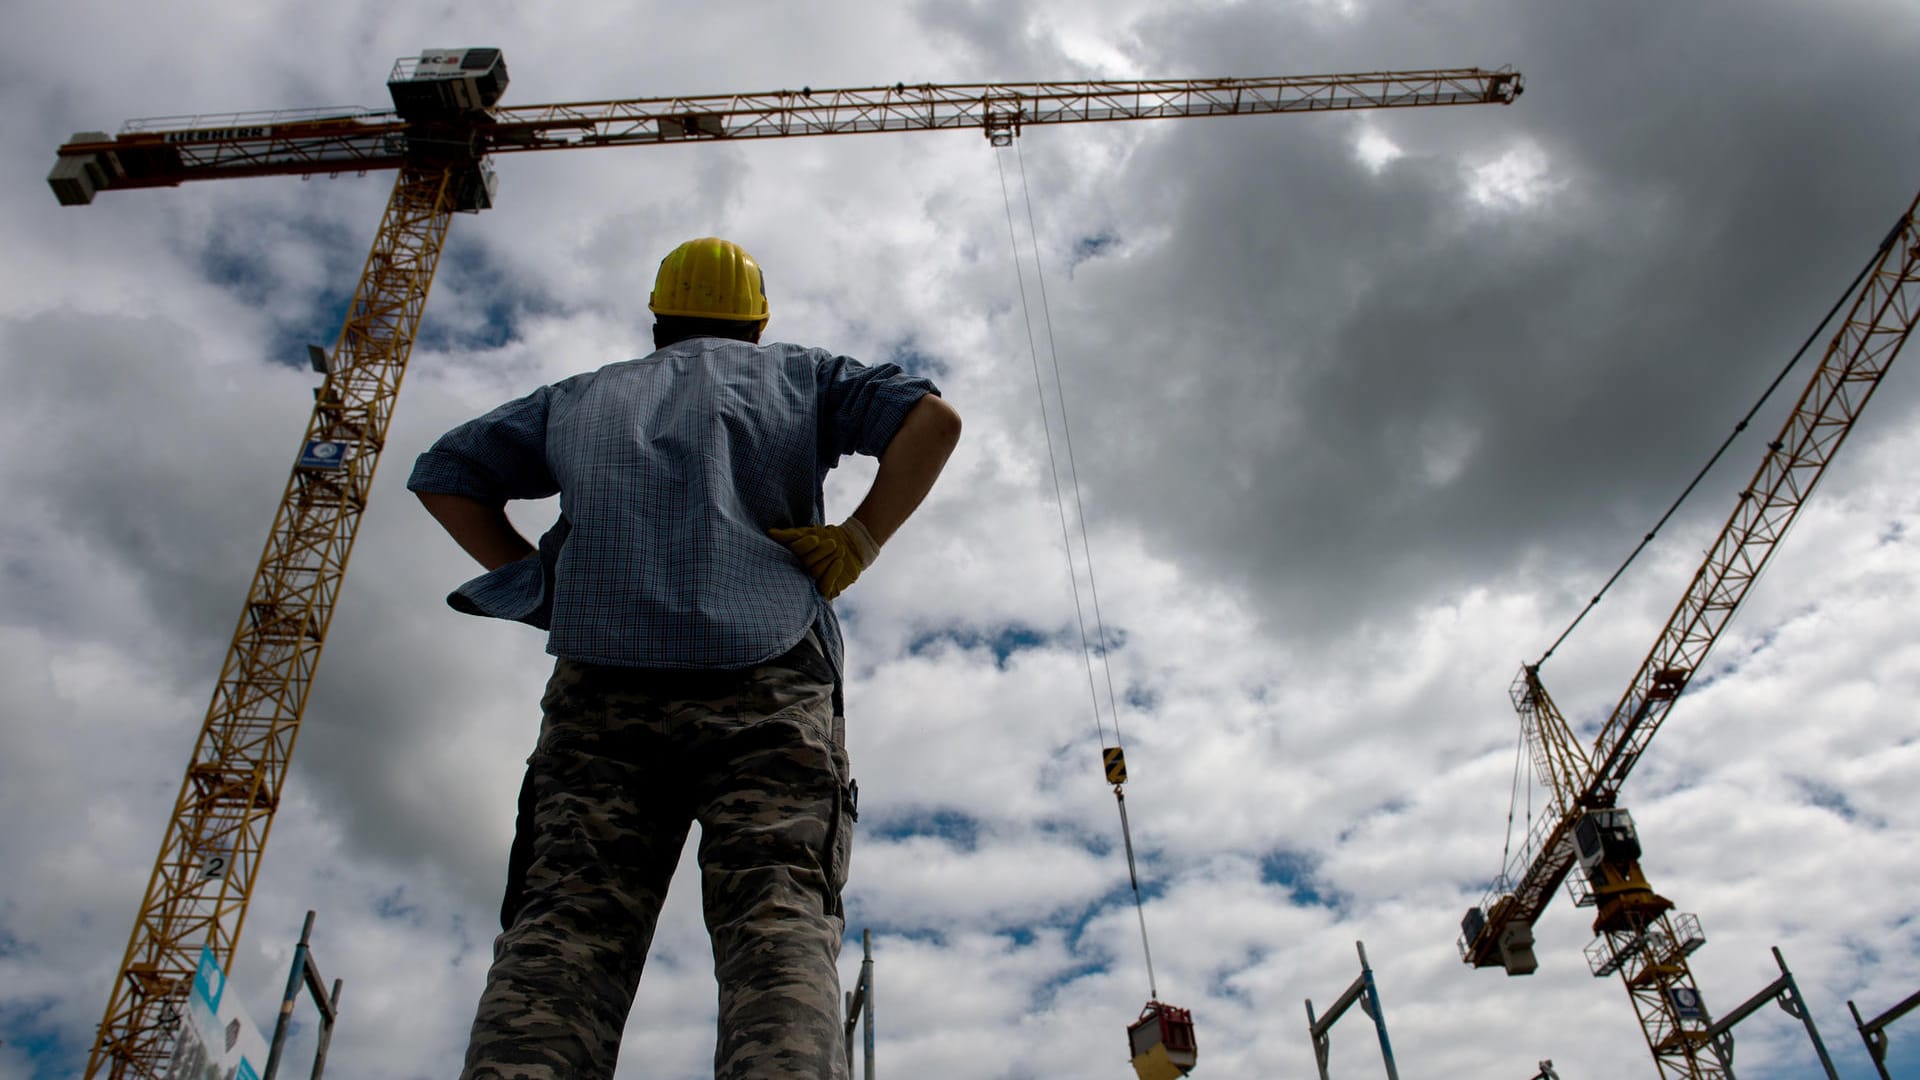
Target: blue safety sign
[{"x": 322, "y": 454}]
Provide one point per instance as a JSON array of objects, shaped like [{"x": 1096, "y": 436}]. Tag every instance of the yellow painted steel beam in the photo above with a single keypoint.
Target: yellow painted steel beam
[
  {"x": 210, "y": 857},
  {"x": 1655, "y": 974}
]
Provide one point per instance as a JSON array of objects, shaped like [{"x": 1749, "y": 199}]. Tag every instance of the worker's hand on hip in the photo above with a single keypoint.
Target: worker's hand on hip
[{"x": 833, "y": 554}]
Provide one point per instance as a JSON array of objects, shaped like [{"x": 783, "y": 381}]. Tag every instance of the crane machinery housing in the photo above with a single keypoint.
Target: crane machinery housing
[
  {"x": 1638, "y": 936},
  {"x": 445, "y": 125}
]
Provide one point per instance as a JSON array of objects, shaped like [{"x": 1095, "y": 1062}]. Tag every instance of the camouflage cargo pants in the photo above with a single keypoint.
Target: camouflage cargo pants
[{"x": 626, "y": 760}]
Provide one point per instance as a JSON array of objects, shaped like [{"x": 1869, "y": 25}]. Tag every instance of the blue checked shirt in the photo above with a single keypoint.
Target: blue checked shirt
[{"x": 670, "y": 470}]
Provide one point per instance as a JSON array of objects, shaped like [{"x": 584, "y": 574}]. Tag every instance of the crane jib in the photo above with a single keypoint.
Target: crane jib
[{"x": 171, "y": 151}]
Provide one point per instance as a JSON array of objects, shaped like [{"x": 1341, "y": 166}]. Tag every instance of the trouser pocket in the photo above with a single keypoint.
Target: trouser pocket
[{"x": 846, "y": 811}]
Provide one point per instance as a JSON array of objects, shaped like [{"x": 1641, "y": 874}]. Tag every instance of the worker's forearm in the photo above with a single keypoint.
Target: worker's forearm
[
  {"x": 909, "y": 466},
  {"x": 480, "y": 528}
]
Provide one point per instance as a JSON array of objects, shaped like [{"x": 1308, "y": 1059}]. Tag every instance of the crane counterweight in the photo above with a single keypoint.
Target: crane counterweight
[{"x": 77, "y": 178}]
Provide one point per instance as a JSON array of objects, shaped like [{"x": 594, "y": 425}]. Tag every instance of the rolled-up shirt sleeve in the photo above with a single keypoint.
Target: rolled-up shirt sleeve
[
  {"x": 500, "y": 456},
  {"x": 862, "y": 406}
]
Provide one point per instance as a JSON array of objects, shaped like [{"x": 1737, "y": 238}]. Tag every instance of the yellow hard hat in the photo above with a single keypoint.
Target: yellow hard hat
[{"x": 710, "y": 278}]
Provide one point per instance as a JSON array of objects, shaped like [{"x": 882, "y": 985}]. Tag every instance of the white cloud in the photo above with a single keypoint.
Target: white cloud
[
  {"x": 1520, "y": 178},
  {"x": 1351, "y": 448},
  {"x": 1375, "y": 150}
]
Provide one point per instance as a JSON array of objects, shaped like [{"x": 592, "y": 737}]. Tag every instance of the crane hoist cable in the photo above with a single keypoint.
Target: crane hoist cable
[
  {"x": 1852, "y": 287},
  {"x": 1113, "y": 758},
  {"x": 1513, "y": 800}
]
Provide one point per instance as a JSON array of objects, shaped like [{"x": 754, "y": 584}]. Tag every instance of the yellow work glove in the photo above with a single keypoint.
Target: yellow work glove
[{"x": 833, "y": 554}]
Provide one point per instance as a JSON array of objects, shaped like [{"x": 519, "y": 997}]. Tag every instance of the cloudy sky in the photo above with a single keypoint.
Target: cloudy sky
[{"x": 1363, "y": 407}]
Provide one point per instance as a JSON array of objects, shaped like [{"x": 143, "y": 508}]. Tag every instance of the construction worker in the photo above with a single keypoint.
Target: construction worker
[{"x": 686, "y": 592}]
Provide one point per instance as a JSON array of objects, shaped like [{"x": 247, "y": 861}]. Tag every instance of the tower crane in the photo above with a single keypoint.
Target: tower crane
[
  {"x": 1638, "y": 936},
  {"x": 444, "y": 127}
]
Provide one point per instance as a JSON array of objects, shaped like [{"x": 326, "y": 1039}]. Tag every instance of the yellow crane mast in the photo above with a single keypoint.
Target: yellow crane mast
[
  {"x": 1638, "y": 936},
  {"x": 444, "y": 126}
]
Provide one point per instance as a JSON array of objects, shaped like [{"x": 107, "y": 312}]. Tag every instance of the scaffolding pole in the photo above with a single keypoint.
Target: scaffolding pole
[
  {"x": 1782, "y": 991},
  {"x": 860, "y": 1004},
  {"x": 1874, "y": 1032},
  {"x": 304, "y": 973},
  {"x": 1367, "y": 994}
]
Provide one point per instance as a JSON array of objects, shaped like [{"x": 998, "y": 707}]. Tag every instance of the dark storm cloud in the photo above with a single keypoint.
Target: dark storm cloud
[{"x": 1368, "y": 389}]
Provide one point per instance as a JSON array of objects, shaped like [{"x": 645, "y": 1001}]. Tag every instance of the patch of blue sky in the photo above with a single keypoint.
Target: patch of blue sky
[
  {"x": 489, "y": 308},
  {"x": 1896, "y": 532},
  {"x": 1294, "y": 872},
  {"x": 1141, "y": 699},
  {"x": 1221, "y": 979},
  {"x": 1098, "y": 844},
  {"x": 859, "y": 919},
  {"x": 914, "y": 361},
  {"x": 29, "y": 1028},
  {"x": 1092, "y": 956},
  {"x": 1071, "y": 764},
  {"x": 320, "y": 326},
  {"x": 1834, "y": 801},
  {"x": 961, "y": 831},
  {"x": 1062, "y": 984},
  {"x": 1121, "y": 895},
  {"x": 1587, "y": 722},
  {"x": 1862, "y": 954},
  {"x": 463, "y": 935},
  {"x": 1731, "y": 665},
  {"x": 475, "y": 305},
  {"x": 1121, "y": 950},
  {"x": 1704, "y": 680},
  {"x": 1794, "y": 1060},
  {"x": 237, "y": 259},
  {"x": 1071, "y": 922},
  {"x": 495, "y": 326},
  {"x": 1003, "y": 641},
  {"x": 1113, "y": 640},
  {"x": 239, "y": 256},
  {"x": 1902, "y": 1059},
  {"x": 394, "y": 905},
  {"x": 1091, "y": 247},
  {"x": 1387, "y": 808}
]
